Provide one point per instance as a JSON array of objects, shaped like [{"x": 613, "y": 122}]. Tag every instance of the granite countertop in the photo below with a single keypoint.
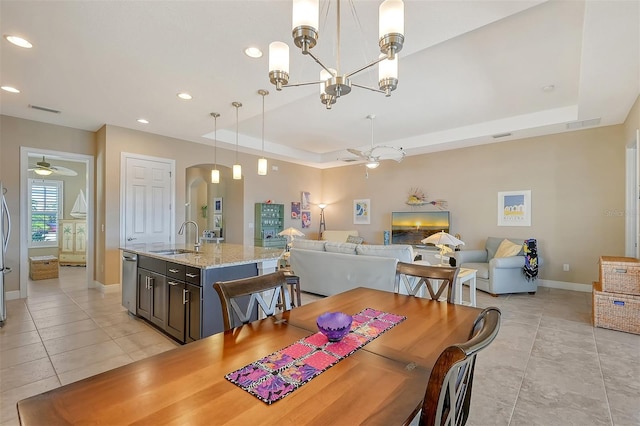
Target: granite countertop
[{"x": 210, "y": 255}]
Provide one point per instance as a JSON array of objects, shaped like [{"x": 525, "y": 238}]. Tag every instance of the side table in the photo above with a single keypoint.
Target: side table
[{"x": 466, "y": 275}]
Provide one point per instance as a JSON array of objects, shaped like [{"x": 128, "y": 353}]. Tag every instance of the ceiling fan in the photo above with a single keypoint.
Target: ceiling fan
[
  {"x": 43, "y": 168},
  {"x": 377, "y": 153}
]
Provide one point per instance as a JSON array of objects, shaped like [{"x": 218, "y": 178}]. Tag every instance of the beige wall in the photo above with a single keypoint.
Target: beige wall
[
  {"x": 576, "y": 180},
  {"x": 15, "y": 133},
  {"x": 632, "y": 123},
  {"x": 282, "y": 186}
]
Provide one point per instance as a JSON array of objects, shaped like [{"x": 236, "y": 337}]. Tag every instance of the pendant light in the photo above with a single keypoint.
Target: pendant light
[
  {"x": 262, "y": 162},
  {"x": 237, "y": 168},
  {"x": 215, "y": 173}
]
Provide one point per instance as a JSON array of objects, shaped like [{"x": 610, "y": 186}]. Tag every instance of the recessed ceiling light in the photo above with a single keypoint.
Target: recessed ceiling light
[
  {"x": 10, "y": 89},
  {"x": 18, "y": 41},
  {"x": 185, "y": 96},
  {"x": 143, "y": 121},
  {"x": 253, "y": 52},
  {"x": 549, "y": 88}
]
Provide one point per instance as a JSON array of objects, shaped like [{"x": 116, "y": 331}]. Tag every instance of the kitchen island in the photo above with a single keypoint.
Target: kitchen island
[{"x": 172, "y": 286}]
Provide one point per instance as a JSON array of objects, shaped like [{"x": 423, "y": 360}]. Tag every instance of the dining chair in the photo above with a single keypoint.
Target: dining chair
[
  {"x": 448, "y": 395},
  {"x": 414, "y": 276},
  {"x": 269, "y": 292}
]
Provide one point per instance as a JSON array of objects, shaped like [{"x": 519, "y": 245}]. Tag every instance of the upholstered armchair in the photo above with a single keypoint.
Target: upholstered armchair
[{"x": 498, "y": 274}]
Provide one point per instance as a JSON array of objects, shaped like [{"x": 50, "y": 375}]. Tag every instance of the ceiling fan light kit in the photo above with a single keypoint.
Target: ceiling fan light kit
[
  {"x": 44, "y": 168},
  {"x": 373, "y": 161},
  {"x": 333, "y": 83}
]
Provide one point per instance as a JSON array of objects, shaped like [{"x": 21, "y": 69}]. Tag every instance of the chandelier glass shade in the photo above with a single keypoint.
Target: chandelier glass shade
[
  {"x": 333, "y": 83},
  {"x": 237, "y": 168},
  {"x": 215, "y": 173}
]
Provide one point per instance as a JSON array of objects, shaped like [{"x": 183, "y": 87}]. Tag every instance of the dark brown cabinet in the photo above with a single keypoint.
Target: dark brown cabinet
[
  {"x": 151, "y": 304},
  {"x": 169, "y": 296}
]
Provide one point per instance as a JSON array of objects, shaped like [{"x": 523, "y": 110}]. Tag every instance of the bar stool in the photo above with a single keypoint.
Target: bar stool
[{"x": 294, "y": 286}]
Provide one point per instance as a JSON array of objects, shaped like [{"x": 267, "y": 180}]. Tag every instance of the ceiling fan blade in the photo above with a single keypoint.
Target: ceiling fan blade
[
  {"x": 63, "y": 171},
  {"x": 358, "y": 153}
]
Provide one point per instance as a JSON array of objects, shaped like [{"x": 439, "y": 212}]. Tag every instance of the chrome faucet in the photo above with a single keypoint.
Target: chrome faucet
[{"x": 196, "y": 246}]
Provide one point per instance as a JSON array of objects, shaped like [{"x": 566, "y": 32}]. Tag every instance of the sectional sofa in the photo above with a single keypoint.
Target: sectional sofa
[{"x": 327, "y": 267}]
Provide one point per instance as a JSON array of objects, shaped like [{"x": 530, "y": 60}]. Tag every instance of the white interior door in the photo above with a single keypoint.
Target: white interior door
[{"x": 148, "y": 200}]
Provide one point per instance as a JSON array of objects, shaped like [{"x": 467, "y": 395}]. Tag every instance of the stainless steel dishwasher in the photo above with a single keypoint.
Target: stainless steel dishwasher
[{"x": 129, "y": 281}]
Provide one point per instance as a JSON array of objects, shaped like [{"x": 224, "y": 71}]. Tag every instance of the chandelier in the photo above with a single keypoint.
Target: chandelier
[{"x": 333, "y": 83}]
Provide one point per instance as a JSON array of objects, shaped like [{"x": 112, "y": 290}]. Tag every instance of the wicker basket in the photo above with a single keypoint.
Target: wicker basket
[
  {"x": 616, "y": 311},
  {"x": 43, "y": 267},
  {"x": 620, "y": 274}
]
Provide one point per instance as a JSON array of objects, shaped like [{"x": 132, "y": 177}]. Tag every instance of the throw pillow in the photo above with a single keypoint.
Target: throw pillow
[
  {"x": 355, "y": 239},
  {"x": 507, "y": 249}
]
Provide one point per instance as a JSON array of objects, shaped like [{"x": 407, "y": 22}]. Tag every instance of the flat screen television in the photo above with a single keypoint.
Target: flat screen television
[{"x": 412, "y": 227}]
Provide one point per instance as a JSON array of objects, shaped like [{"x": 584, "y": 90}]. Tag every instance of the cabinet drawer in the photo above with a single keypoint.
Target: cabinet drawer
[
  {"x": 151, "y": 264},
  {"x": 176, "y": 271},
  {"x": 192, "y": 275}
]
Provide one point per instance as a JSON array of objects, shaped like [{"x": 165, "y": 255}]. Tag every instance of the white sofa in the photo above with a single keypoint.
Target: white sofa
[{"x": 328, "y": 268}]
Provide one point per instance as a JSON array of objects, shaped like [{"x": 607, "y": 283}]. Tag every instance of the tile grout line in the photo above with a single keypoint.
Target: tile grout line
[{"x": 524, "y": 373}]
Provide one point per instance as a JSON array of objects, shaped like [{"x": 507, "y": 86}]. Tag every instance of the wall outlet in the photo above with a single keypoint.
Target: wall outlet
[
  {"x": 250, "y": 225},
  {"x": 565, "y": 267}
]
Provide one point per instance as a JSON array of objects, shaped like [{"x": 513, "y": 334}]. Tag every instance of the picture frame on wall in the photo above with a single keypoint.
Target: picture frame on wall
[
  {"x": 295, "y": 210},
  {"x": 217, "y": 205},
  {"x": 514, "y": 208},
  {"x": 362, "y": 212},
  {"x": 305, "y": 201},
  {"x": 217, "y": 221},
  {"x": 306, "y": 218}
]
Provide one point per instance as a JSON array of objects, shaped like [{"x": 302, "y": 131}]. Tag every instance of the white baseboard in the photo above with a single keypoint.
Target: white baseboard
[
  {"x": 563, "y": 285},
  {"x": 112, "y": 288},
  {"x": 12, "y": 295}
]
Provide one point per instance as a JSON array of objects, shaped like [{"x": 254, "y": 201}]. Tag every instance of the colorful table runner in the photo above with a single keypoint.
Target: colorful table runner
[{"x": 277, "y": 375}]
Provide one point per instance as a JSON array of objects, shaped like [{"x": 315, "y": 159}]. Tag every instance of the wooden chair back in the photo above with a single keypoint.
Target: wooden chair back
[
  {"x": 448, "y": 396},
  {"x": 414, "y": 276},
  {"x": 255, "y": 289}
]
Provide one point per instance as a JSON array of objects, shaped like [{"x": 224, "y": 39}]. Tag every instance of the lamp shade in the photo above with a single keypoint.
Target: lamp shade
[
  {"x": 442, "y": 238},
  {"x": 388, "y": 68},
  {"x": 391, "y": 18},
  {"x": 324, "y": 76},
  {"x": 237, "y": 171},
  {"x": 215, "y": 176},
  {"x": 279, "y": 57},
  {"x": 305, "y": 13},
  {"x": 262, "y": 166},
  {"x": 291, "y": 232}
]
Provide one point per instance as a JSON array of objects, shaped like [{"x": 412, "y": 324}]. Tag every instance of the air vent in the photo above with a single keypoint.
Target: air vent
[
  {"x": 584, "y": 123},
  {"x": 348, "y": 160},
  {"x": 501, "y": 135},
  {"x": 41, "y": 108}
]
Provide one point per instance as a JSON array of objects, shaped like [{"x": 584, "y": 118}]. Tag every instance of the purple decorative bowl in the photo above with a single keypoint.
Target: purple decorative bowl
[{"x": 334, "y": 325}]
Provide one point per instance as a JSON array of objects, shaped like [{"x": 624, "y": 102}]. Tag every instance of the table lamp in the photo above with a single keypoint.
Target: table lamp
[{"x": 441, "y": 240}]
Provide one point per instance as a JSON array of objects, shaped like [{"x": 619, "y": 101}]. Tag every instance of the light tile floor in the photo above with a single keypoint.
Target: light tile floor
[{"x": 548, "y": 365}]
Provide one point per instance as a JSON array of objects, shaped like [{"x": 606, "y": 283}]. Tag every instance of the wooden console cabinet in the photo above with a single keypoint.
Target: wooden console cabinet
[{"x": 73, "y": 242}]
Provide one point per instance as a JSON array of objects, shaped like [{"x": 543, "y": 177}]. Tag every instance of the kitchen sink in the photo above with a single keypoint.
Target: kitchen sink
[{"x": 171, "y": 252}]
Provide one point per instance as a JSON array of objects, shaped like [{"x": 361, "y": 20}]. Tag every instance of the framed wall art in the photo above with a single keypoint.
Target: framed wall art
[
  {"x": 295, "y": 210},
  {"x": 217, "y": 205},
  {"x": 305, "y": 202},
  {"x": 361, "y": 212},
  {"x": 514, "y": 208}
]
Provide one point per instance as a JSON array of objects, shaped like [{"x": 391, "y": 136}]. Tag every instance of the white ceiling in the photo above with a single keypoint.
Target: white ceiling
[{"x": 468, "y": 70}]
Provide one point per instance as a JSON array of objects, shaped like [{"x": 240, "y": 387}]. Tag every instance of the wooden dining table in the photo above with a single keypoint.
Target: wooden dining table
[{"x": 381, "y": 383}]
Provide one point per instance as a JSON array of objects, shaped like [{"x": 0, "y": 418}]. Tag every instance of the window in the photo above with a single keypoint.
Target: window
[{"x": 46, "y": 210}]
